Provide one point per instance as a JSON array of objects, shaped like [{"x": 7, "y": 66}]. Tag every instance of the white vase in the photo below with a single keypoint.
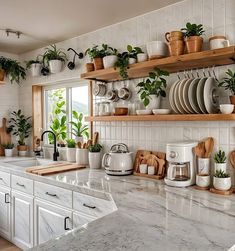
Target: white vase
[
  {"x": 35, "y": 69},
  {"x": 8, "y": 152},
  {"x": 82, "y": 156},
  {"x": 71, "y": 154},
  {"x": 203, "y": 165},
  {"x": 132, "y": 61},
  {"x": 221, "y": 166},
  {"x": 55, "y": 66},
  {"x": 62, "y": 153},
  {"x": 154, "y": 102},
  {"x": 109, "y": 61},
  {"x": 222, "y": 183},
  {"x": 94, "y": 160},
  {"x": 141, "y": 57}
]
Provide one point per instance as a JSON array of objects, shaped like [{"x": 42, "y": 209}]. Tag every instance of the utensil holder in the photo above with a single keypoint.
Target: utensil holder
[{"x": 203, "y": 165}]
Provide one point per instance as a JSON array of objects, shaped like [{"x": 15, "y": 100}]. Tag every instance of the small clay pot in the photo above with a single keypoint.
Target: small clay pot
[
  {"x": 90, "y": 67},
  {"x": 2, "y": 75},
  {"x": 176, "y": 47},
  {"x": 193, "y": 44},
  {"x": 98, "y": 63},
  {"x": 232, "y": 101}
]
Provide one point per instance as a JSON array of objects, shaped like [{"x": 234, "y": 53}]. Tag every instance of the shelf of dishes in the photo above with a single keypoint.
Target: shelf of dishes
[{"x": 198, "y": 60}]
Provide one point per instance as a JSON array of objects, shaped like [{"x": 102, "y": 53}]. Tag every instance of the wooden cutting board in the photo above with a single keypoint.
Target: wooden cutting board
[
  {"x": 36, "y": 168},
  {"x": 4, "y": 136}
]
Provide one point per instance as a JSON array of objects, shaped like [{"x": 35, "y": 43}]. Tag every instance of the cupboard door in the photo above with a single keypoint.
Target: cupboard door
[
  {"x": 80, "y": 219},
  {"x": 5, "y": 222},
  {"x": 50, "y": 221},
  {"x": 22, "y": 220}
]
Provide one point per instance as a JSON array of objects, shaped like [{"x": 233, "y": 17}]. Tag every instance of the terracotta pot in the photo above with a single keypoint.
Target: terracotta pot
[
  {"x": 176, "y": 48},
  {"x": 2, "y": 75},
  {"x": 193, "y": 44},
  {"x": 98, "y": 63},
  {"x": 232, "y": 101},
  {"x": 22, "y": 148},
  {"x": 174, "y": 36},
  {"x": 90, "y": 67}
]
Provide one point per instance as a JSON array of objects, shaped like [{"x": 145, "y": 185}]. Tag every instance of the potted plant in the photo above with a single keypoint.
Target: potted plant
[
  {"x": 12, "y": 69},
  {"x": 96, "y": 55},
  {"x": 54, "y": 58},
  {"x": 94, "y": 156},
  {"x": 122, "y": 64},
  {"x": 229, "y": 84},
  {"x": 193, "y": 39},
  {"x": 78, "y": 129},
  {"x": 110, "y": 57},
  {"x": 8, "y": 149},
  {"x": 34, "y": 66},
  {"x": 21, "y": 126},
  {"x": 133, "y": 54},
  {"x": 221, "y": 180},
  {"x": 153, "y": 88},
  {"x": 220, "y": 161},
  {"x": 71, "y": 150}
]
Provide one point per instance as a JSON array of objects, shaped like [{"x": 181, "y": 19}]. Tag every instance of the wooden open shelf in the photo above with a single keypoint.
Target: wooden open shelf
[
  {"x": 168, "y": 117},
  {"x": 197, "y": 60}
]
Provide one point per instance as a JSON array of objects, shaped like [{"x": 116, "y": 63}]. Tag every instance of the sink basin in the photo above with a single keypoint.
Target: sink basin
[{"x": 30, "y": 162}]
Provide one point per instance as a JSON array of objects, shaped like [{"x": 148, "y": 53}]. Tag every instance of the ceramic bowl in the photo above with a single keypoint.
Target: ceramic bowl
[
  {"x": 161, "y": 111},
  {"x": 226, "y": 108},
  {"x": 143, "y": 112}
]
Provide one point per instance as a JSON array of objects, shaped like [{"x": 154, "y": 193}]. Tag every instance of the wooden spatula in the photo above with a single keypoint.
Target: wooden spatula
[
  {"x": 232, "y": 158},
  {"x": 209, "y": 145},
  {"x": 200, "y": 150}
]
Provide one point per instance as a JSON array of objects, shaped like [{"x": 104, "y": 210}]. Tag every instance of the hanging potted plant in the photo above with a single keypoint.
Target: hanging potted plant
[
  {"x": 229, "y": 84},
  {"x": 34, "y": 66},
  {"x": 153, "y": 88},
  {"x": 110, "y": 57},
  {"x": 222, "y": 181},
  {"x": 8, "y": 149},
  {"x": 220, "y": 161},
  {"x": 71, "y": 150},
  {"x": 54, "y": 58},
  {"x": 193, "y": 39},
  {"x": 96, "y": 55},
  {"x": 94, "y": 156},
  {"x": 20, "y": 125}
]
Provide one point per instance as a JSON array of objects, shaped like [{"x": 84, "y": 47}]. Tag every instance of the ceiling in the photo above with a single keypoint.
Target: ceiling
[{"x": 49, "y": 21}]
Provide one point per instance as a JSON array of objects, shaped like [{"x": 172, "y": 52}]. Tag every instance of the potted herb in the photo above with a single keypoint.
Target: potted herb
[
  {"x": 135, "y": 53},
  {"x": 193, "y": 39},
  {"x": 71, "y": 150},
  {"x": 220, "y": 161},
  {"x": 8, "y": 149},
  {"x": 122, "y": 64},
  {"x": 96, "y": 55},
  {"x": 221, "y": 180},
  {"x": 59, "y": 128},
  {"x": 54, "y": 58},
  {"x": 229, "y": 84},
  {"x": 153, "y": 88},
  {"x": 110, "y": 57},
  {"x": 95, "y": 156},
  {"x": 21, "y": 126},
  {"x": 34, "y": 66}
]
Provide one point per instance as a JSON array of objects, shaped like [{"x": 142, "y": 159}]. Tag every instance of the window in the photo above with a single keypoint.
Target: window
[{"x": 60, "y": 103}]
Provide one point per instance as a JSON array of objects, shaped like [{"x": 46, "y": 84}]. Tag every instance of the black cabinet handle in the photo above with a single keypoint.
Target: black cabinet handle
[
  {"x": 50, "y": 194},
  {"x": 91, "y": 207},
  {"x": 65, "y": 223},
  {"x": 7, "y": 201},
  {"x": 20, "y": 185}
]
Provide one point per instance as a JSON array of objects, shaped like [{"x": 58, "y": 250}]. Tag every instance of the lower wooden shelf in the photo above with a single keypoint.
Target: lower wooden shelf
[{"x": 168, "y": 117}]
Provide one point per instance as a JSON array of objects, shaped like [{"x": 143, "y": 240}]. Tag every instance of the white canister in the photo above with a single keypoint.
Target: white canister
[
  {"x": 151, "y": 170},
  {"x": 203, "y": 180},
  {"x": 222, "y": 183},
  {"x": 217, "y": 42},
  {"x": 35, "y": 69},
  {"x": 154, "y": 102},
  {"x": 71, "y": 154},
  {"x": 94, "y": 160},
  {"x": 143, "y": 168},
  {"x": 157, "y": 49},
  {"x": 82, "y": 156},
  {"x": 109, "y": 61},
  {"x": 203, "y": 165},
  {"x": 8, "y": 152},
  {"x": 141, "y": 57},
  {"x": 221, "y": 166}
]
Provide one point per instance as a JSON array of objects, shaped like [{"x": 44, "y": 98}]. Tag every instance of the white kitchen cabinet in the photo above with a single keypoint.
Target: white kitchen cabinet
[
  {"x": 50, "y": 221},
  {"x": 22, "y": 220},
  {"x": 81, "y": 219},
  {"x": 5, "y": 215}
]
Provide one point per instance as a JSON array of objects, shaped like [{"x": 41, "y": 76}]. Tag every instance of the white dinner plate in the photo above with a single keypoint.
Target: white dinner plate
[
  {"x": 171, "y": 97},
  {"x": 200, "y": 95},
  {"x": 181, "y": 96},
  {"x": 185, "y": 95},
  {"x": 192, "y": 94},
  {"x": 177, "y": 100}
]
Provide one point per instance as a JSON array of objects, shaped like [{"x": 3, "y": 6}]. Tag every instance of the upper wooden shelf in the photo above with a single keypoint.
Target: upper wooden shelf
[
  {"x": 169, "y": 117},
  {"x": 173, "y": 64}
]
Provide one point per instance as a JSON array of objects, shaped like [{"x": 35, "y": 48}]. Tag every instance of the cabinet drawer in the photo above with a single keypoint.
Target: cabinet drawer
[
  {"x": 5, "y": 179},
  {"x": 53, "y": 194},
  {"x": 22, "y": 184},
  {"x": 91, "y": 205}
]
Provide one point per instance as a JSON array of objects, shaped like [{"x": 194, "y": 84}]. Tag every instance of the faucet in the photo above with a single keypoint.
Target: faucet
[{"x": 56, "y": 153}]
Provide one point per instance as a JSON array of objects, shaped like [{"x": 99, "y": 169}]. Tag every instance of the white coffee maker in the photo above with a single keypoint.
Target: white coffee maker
[{"x": 181, "y": 169}]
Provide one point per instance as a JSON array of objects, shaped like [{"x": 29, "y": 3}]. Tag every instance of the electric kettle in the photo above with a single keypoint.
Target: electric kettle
[{"x": 118, "y": 161}]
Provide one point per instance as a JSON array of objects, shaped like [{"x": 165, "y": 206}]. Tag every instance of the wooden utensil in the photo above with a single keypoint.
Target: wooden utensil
[
  {"x": 84, "y": 146},
  {"x": 79, "y": 145},
  {"x": 5, "y": 137},
  {"x": 200, "y": 150},
  {"x": 209, "y": 145},
  {"x": 89, "y": 143},
  {"x": 95, "y": 138},
  {"x": 232, "y": 158}
]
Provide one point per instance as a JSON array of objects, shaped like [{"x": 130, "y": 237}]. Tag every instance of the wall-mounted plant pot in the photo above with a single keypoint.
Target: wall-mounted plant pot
[
  {"x": 2, "y": 75},
  {"x": 90, "y": 67},
  {"x": 109, "y": 61},
  {"x": 35, "y": 69},
  {"x": 22, "y": 150},
  {"x": 154, "y": 102},
  {"x": 232, "y": 101},
  {"x": 98, "y": 63},
  {"x": 55, "y": 66},
  {"x": 193, "y": 44}
]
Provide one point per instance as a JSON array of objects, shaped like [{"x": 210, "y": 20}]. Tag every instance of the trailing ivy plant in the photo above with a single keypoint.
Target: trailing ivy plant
[
  {"x": 220, "y": 157},
  {"x": 78, "y": 128},
  {"x": 155, "y": 84},
  {"x": 122, "y": 64},
  {"x": 229, "y": 82},
  {"x": 193, "y": 30}
]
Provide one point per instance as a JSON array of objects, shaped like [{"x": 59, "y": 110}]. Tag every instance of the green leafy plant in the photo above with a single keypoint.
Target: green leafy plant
[
  {"x": 153, "y": 85},
  {"x": 52, "y": 53},
  {"x": 229, "y": 82},
  {"x": 133, "y": 51},
  {"x": 95, "y": 52},
  {"x": 221, "y": 174},
  {"x": 193, "y": 30},
  {"x": 71, "y": 143},
  {"x": 8, "y": 146},
  {"x": 30, "y": 62},
  {"x": 78, "y": 129},
  {"x": 95, "y": 148},
  {"x": 109, "y": 50},
  {"x": 122, "y": 64},
  {"x": 13, "y": 70},
  {"x": 220, "y": 157},
  {"x": 20, "y": 126},
  {"x": 59, "y": 128}
]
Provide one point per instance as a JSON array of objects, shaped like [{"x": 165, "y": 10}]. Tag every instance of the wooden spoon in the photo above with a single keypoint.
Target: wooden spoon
[
  {"x": 200, "y": 150},
  {"x": 209, "y": 145},
  {"x": 89, "y": 143},
  {"x": 79, "y": 145},
  {"x": 232, "y": 158},
  {"x": 95, "y": 138}
]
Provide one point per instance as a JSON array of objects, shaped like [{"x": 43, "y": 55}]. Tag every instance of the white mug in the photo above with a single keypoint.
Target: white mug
[
  {"x": 157, "y": 49},
  {"x": 217, "y": 42},
  {"x": 143, "y": 168},
  {"x": 151, "y": 170},
  {"x": 203, "y": 180}
]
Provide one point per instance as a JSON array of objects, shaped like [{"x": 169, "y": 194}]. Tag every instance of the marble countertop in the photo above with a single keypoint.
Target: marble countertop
[{"x": 150, "y": 216}]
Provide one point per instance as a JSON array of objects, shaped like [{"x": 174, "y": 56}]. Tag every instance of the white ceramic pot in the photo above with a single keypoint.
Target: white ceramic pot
[
  {"x": 151, "y": 170},
  {"x": 109, "y": 61},
  {"x": 154, "y": 102},
  {"x": 35, "y": 69},
  {"x": 221, "y": 166},
  {"x": 157, "y": 49},
  {"x": 22, "y": 153},
  {"x": 217, "y": 42},
  {"x": 62, "y": 153},
  {"x": 82, "y": 156},
  {"x": 141, "y": 57},
  {"x": 226, "y": 108},
  {"x": 71, "y": 154},
  {"x": 203, "y": 180},
  {"x": 203, "y": 165},
  {"x": 222, "y": 183},
  {"x": 94, "y": 160},
  {"x": 132, "y": 61},
  {"x": 55, "y": 66},
  {"x": 8, "y": 152},
  {"x": 143, "y": 168}
]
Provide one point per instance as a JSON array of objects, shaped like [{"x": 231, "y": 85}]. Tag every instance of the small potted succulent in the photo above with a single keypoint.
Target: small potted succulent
[
  {"x": 34, "y": 66},
  {"x": 153, "y": 88},
  {"x": 229, "y": 84},
  {"x": 71, "y": 150},
  {"x": 110, "y": 57},
  {"x": 8, "y": 149},
  {"x": 221, "y": 180},
  {"x": 220, "y": 161},
  {"x": 95, "y": 156},
  {"x": 193, "y": 39},
  {"x": 96, "y": 55},
  {"x": 54, "y": 58}
]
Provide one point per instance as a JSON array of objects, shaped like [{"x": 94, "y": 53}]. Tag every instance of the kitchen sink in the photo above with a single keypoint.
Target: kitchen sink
[{"x": 30, "y": 162}]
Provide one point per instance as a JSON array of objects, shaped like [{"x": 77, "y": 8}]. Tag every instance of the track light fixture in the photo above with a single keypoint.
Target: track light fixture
[{"x": 10, "y": 31}]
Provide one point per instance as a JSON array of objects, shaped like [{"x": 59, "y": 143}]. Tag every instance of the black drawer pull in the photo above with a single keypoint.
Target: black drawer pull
[
  {"x": 50, "y": 194},
  {"x": 7, "y": 201},
  {"x": 65, "y": 223},
  {"x": 91, "y": 207},
  {"x": 20, "y": 185}
]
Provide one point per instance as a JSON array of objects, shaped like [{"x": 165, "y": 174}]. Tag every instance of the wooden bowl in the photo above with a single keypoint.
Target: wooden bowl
[{"x": 120, "y": 111}]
